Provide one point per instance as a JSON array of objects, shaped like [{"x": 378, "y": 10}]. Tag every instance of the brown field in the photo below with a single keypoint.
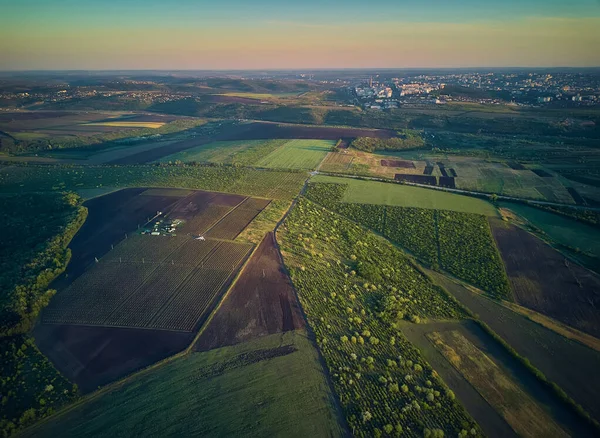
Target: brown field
[
  {"x": 132, "y": 301},
  {"x": 254, "y": 131},
  {"x": 492, "y": 418},
  {"x": 398, "y": 163},
  {"x": 95, "y": 356},
  {"x": 110, "y": 217},
  {"x": 337, "y": 162},
  {"x": 221, "y": 98},
  {"x": 261, "y": 302},
  {"x": 571, "y": 365},
  {"x": 518, "y": 409},
  {"x": 58, "y": 123},
  {"x": 231, "y": 225},
  {"x": 544, "y": 280},
  {"x": 152, "y": 282},
  {"x": 262, "y": 130}
]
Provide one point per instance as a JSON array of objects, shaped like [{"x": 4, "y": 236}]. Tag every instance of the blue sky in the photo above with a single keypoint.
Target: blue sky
[{"x": 319, "y": 33}]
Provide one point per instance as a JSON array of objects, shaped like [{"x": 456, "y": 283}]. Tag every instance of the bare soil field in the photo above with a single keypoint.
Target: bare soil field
[
  {"x": 261, "y": 302},
  {"x": 126, "y": 303},
  {"x": 110, "y": 217},
  {"x": 153, "y": 282},
  {"x": 541, "y": 398},
  {"x": 220, "y": 98},
  {"x": 398, "y": 163},
  {"x": 503, "y": 393},
  {"x": 419, "y": 179},
  {"x": 255, "y": 131},
  {"x": 544, "y": 280},
  {"x": 447, "y": 181},
  {"x": 569, "y": 364},
  {"x": 96, "y": 356},
  {"x": 262, "y": 130}
]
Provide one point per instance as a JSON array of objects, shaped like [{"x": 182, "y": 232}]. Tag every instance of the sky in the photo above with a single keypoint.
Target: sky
[{"x": 270, "y": 34}]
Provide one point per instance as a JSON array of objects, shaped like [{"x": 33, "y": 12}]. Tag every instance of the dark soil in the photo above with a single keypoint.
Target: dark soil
[
  {"x": 491, "y": 422},
  {"x": 541, "y": 173},
  {"x": 255, "y": 131},
  {"x": 262, "y": 302},
  {"x": 90, "y": 355},
  {"x": 544, "y": 280},
  {"x": 345, "y": 143},
  {"x": 398, "y": 163},
  {"x": 516, "y": 166},
  {"x": 110, "y": 217},
  {"x": 96, "y": 356},
  {"x": 447, "y": 181},
  {"x": 263, "y": 130},
  {"x": 419, "y": 179},
  {"x": 569, "y": 364},
  {"x": 576, "y": 196}
]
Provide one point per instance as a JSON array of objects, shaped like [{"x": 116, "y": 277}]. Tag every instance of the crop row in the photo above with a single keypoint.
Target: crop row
[
  {"x": 141, "y": 308},
  {"x": 144, "y": 248},
  {"x": 357, "y": 290},
  {"x": 265, "y": 183},
  {"x": 210, "y": 215},
  {"x": 460, "y": 243},
  {"x": 467, "y": 250},
  {"x": 97, "y": 293},
  {"x": 134, "y": 294},
  {"x": 236, "y": 221}
]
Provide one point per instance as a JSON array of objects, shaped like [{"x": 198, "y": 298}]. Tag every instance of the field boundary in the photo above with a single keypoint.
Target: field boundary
[
  {"x": 474, "y": 194},
  {"x": 220, "y": 302},
  {"x": 557, "y": 390},
  {"x": 141, "y": 372},
  {"x": 309, "y": 330}
]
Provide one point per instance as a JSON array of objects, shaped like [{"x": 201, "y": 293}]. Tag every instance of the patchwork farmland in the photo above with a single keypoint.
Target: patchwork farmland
[
  {"x": 546, "y": 281},
  {"x": 154, "y": 282},
  {"x": 146, "y": 267}
]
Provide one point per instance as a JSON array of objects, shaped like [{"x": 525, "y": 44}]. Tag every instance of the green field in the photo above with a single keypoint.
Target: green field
[
  {"x": 297, "y": 154},
  {"x": 373, "y": 192},
  {"x": 273, "y": 386},
  {"x": 264, "y": 183},
  {"x": 561, "y": 229},
  {"x": 226, "y": 152}
]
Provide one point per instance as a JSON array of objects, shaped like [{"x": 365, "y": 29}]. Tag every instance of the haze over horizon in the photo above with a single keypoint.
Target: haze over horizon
[{"x": 183, "y": 34}]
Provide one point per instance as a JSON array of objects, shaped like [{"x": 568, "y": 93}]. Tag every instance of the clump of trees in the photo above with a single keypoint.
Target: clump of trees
[
  {"x": 407, "y": 139},
  {"x": 33, "y": 252}
]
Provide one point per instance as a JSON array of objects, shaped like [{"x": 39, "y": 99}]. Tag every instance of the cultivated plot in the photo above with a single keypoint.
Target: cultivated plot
[
  {"x": 571, "y": 365},
  {"x": 495, "y": 386},
  {"x": 151, "y": 282},
  {"x": 373, "y": 192},
  {"x": 262, "y": 302},
  {"x": 273, "y": 386},
  {"x": 544, "y": 280},
  {"x": 297, "y": 154}
]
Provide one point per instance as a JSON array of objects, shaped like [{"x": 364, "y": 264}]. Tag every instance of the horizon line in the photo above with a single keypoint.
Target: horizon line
[{"x": 292, "y": 69}]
